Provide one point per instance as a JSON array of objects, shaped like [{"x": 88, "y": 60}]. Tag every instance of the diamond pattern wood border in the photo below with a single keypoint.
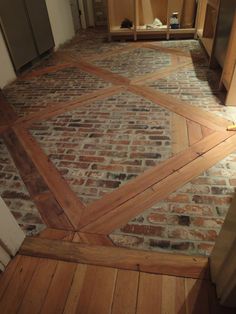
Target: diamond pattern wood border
[{"x": 65, "y": 215}]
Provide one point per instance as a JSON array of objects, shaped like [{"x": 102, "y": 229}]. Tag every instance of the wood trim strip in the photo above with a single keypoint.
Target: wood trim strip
[
  {"x": 46, "y": 70},
  {"x": 95, "y": 239},
  {"x": 192, "y": 113},
  {"x": 51, "y": 213},
  {"x": 3, "y": 128},
  {"x": 173, "y": 51},
  {"x": 54, "y": 109},
  {"x": 121, "y": 215},
  {"x": 67, "y": 199},
  {"x": 7, "y": 113},
  {"x": 179, "y": 134},
  {"x": 160, "y": 74},
  {"x": 194, "y": 132},
  {"x": 151, "y": 262},
  {"x": 103, "y": 74},
  {"x": 150, "y": 177}
]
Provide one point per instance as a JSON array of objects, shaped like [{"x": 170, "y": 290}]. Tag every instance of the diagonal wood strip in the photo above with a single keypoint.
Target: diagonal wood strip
[
  {"x": 193, "y": 113},
  {"x": 161, "y": 73},
  {"x": 117, "y": 217},
  {"x": 7, "y": 113},
  {"x": 151, "y": 262},
  {"x": 150, "y": 177},
  {"x": 174, "y": 51},
  {"x": 50, "y": 211},
  {"x": 58, "y": 108},
  {"x": 95, "y": 239},
  {"x": 71, "y": 205},
  {"x": 104, "y": 74}
]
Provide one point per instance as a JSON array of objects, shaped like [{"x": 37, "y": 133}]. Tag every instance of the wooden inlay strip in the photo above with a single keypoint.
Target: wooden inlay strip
[
  {"x": 151, "y": 262},
  {"x": 67, "y": 199},
  {"x": 51, "y": 213},
  {"x": 192, "y": 113},
  {"x": 149, "y": 178},
  {"x": 159, "y": 191},
  {"x": 194, "y": 132},
  {"x": 54, "y": 109},
  {"x": 104, "y": 74},
  {"x": 179, "y": 135}
]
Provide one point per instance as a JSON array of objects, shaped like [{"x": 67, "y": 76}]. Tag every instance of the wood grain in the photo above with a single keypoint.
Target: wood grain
[
  {"x": 59, "y": 288},
  {"x": 38, "y": 287},
  {"x": 71, "y": 205},
  {"x": 76, "y": 287},
  {"x": 14, "y": 293},
  {"x": 177, "y": 265},
  {"x": 150, "y": 294},
  {"x": 125, "y": 295},
  {"x": 90, "y": 300},
  {"x": 194, "y": 132},
  {"x": 179, "y": 135}
]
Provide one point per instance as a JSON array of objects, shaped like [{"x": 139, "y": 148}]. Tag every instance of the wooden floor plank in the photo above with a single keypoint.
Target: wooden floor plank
[
  {"x": 67, "y": 199},
  {"x": 150, "y": 177},
  {"x": 194, "y": 132},
  {"x": 6, "y": 277},
  {"x": 150, "y": 294},
  {"x": 173, "y": 295},
  {"x": 179, "y": 136},
  {"x": 76, "y": 287},
  {"x": 59, "y": 288},
  {"x": 152, "y": 262},
  {"x": 97, "y": 292},
  {"x": 125, "y": 295},
  {"x": 159, "y": 191},
  {"x": 192, "y": 113},
  {"x": 38, "y": 287},
  {"x": 206, "y": 131},
  {"x": 15, "y": 291},
  {"x": 196, "y": 295}
]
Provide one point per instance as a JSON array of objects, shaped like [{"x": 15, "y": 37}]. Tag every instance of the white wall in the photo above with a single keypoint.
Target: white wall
[
  {"x": 7, "y": 73},
  {"x": 61, "y": 20}
]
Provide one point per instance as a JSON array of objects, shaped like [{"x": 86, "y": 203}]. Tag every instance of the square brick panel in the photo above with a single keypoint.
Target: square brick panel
[
  {"x": 28, "y": 96},
  {"x": 101, "y": 145},
  {"x": 16, "y": 196},
  {"x": 136, "y": 62}
]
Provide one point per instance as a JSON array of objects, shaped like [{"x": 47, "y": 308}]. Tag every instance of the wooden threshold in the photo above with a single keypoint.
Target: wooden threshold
[{"x": 150, "y": 262}]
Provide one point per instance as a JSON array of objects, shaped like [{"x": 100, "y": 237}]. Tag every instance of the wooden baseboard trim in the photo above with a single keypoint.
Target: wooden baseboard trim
[{"x": 150, "y": 262}]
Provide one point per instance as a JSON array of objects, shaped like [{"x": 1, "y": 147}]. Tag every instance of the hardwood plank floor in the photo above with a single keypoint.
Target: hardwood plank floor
[{"x": 51, "y": 286}]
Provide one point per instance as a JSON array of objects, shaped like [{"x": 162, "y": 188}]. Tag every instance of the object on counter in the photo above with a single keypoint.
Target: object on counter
[
  {"x": 156, "y": 23},
  {"x": 126, "y": 23},
  {"x": 174, "y": 20}
]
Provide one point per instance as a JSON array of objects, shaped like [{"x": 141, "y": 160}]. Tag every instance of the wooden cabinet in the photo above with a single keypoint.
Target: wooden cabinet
[{"x": 144, "y": 12}]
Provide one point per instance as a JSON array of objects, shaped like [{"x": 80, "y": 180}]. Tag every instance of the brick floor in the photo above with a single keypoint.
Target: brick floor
[
  {"x": 138, "y": 61},
  {"x": 28, "y": 96},
  {"x": 102, "y": 145},
  {"x": 16, "y": 196},
  {"x": 190, "y": 219}
]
